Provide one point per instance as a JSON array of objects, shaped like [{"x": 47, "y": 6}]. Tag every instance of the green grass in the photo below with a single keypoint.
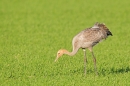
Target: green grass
[{"x": 32, "y": 31}]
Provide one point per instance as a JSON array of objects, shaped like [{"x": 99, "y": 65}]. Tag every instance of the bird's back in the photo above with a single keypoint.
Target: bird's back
[{"x": 91, "y": 36}]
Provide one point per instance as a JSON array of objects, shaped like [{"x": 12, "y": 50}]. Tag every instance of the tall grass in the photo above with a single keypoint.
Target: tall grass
[{"x": 31, "y": 32}]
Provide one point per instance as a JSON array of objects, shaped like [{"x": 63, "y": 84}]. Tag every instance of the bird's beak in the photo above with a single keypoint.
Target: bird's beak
[{"x": 56, "y": 59}]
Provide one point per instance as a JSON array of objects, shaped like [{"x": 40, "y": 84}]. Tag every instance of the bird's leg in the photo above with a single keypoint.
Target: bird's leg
[
  {"x": 94, "y": 59},
  {"x": 85, "y": 61}
]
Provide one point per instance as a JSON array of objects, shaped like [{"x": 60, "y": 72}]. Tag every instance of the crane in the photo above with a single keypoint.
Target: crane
[{"x": 86, "y": 39}]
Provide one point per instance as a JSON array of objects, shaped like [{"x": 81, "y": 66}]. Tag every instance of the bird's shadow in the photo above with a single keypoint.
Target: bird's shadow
[
  {"x": 105, "y": 71},
  {"x": 101, "y": 71},
  {"x": 115, "y": 70}
]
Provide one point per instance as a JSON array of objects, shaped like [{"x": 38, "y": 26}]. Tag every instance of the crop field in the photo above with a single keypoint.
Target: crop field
[{"x": 32, "y": 31}]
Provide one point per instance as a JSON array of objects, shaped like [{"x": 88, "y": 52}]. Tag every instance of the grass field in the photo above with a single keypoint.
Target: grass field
[{"x": 32, "y": 31}]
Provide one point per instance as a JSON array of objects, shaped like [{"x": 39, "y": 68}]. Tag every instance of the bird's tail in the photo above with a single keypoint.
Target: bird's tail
[{"x": 109, "y": 33}]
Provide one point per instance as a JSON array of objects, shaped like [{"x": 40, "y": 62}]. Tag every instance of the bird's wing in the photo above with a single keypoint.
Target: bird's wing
[
  {"x": 95, "y": 27},
  {"x": 92, "y": 34}
]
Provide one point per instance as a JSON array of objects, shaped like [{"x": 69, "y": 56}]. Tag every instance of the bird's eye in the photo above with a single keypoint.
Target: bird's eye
[{"x": 58, "y": 53}]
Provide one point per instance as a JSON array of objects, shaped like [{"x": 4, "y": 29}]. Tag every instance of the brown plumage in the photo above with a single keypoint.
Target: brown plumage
[{"x": 87, "y": 39}]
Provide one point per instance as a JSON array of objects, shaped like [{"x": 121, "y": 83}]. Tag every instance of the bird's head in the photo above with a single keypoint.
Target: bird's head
[{"x": 60, "y": 53}]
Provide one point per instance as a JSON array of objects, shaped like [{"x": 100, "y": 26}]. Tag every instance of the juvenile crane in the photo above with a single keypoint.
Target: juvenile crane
[{"x": 87, "y": 39}]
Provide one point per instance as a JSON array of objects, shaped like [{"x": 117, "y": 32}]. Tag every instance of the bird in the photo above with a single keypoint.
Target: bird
[{"x": 87, "y": 39}]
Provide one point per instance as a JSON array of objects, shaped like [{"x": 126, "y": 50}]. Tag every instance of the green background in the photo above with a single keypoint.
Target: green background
[{"x": 32, "y": 31}]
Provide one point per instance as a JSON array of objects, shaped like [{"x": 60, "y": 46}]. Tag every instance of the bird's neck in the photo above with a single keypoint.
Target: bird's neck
[{"x": 70, "y": 53}]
